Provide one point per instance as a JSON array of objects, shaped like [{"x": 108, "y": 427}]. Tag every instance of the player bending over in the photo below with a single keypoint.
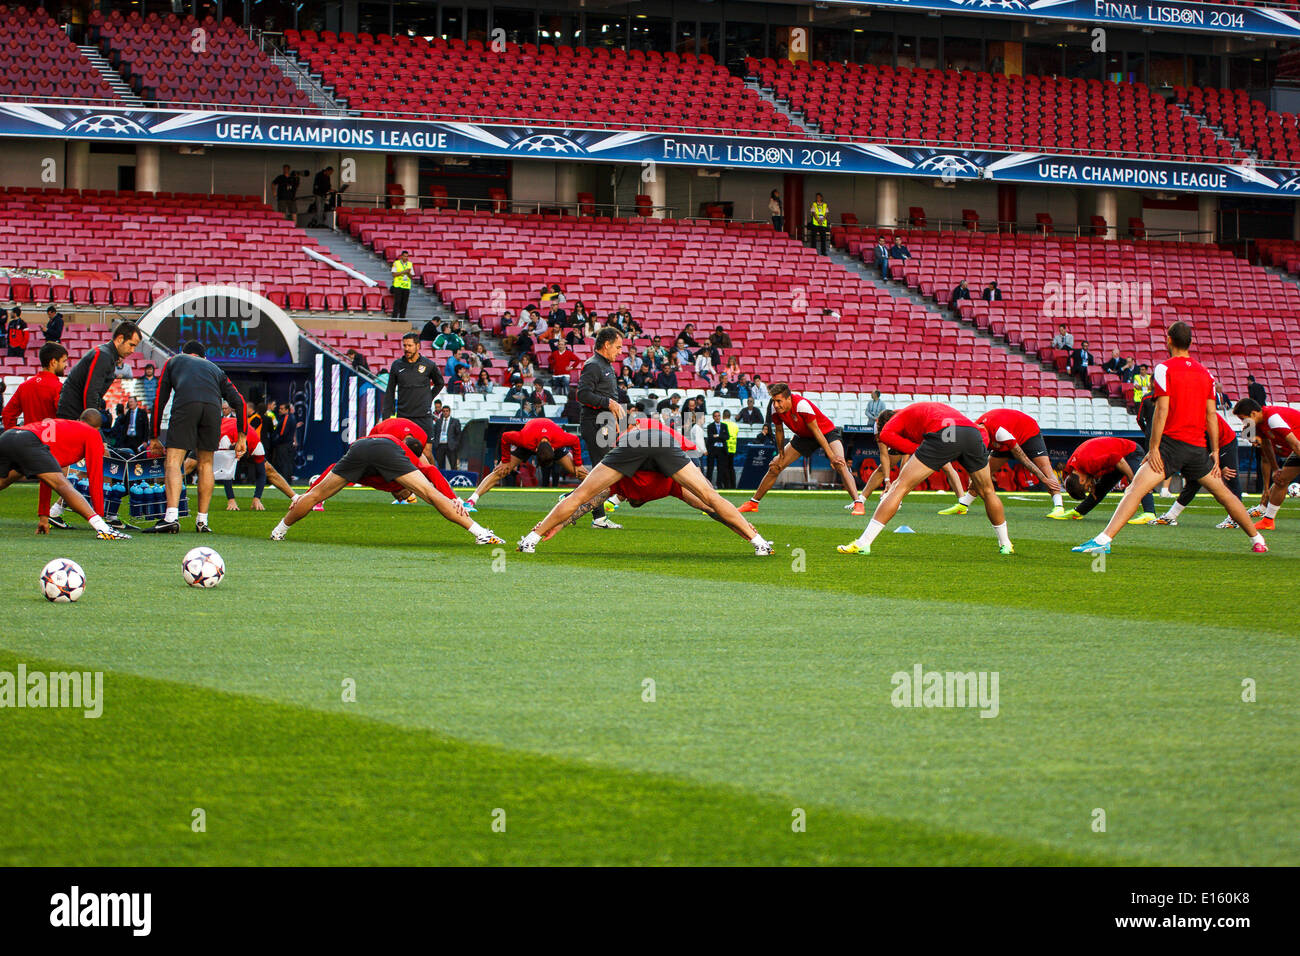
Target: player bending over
[
  {"x": 1013, "y": 434},
  {"x": 1278, "y": 428},
  {"x": 392, "y": 465},
  {"x": 646, "y": 446},
  {"x": 812, "y": 430},
  {"x": 540, "y": 437},
  {"x": 43, "y": 449},
  {"x": 1096, "y": 467},
  {"x": 878, "y": 478},
  {"x": 934, "y": 435},
  {"x": 1184, "y": 440}
]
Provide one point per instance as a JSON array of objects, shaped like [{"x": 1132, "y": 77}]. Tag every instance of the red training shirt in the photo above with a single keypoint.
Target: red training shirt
[
  {"x": 1278, "y": 422},
  {"x": 1099, "y": 456},
  {"x": 1007, "y": 427},
  {"x": 69, "y": 442},
  {"x": 1188, "y": 386},
  {"x": 800, "y": 416},
  {"x": 907, "y": 428},
  {"x": 35, "y": 399},
  {"x": 531, "y": 435}
]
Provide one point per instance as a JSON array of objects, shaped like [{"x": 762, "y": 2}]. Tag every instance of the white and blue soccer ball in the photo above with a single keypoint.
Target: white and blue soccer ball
[
  {"x": 63, "y": 581},
  {"x": 203, "y": 568},
  {"x": 1293, "y": 490}
]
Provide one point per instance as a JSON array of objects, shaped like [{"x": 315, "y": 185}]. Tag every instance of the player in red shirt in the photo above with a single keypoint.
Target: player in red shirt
[
  {"x": 812, "y": 431},
  {"x": 540, "y": 437},
  {"x": 1278, "y": 430},
  {"x": 43, "y": 450},
  {"x": 392, "y": 464},
  {"x": 934, "y": 435},
  {"x": 1229, "y": 458},
  {"x": 38, "y": 398},
  {"x": 1013, "y": 434},
  {"x": 1184, "y": 441},
  {"x": 645, "y": 446},
  {"x": 1096, "y": 467}
]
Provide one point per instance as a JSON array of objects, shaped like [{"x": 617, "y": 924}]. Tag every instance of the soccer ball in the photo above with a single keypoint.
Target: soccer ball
[
  {"x": 63, "y": 581},
  {"x": 203, "y": 568},
  {"x": 1293, "y": 490}
]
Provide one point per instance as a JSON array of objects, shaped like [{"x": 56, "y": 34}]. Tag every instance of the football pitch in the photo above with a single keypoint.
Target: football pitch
[{"x": 379, "y": 690}]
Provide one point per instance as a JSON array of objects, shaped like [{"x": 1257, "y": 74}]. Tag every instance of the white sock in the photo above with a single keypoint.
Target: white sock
[
  {"x": 473, "y": 499},
  {"x": 757, "y": 539},
  {"x": 281, "y": 528},
  {"x": 1258, "y": 539},
  {"x": 1271, "y": 510},
  {"x": 172, "y": 514},
  {"x": 861, "y": 497},
  {"x": 1175, "y": 509},
  {"x": 98, "y": 523},
  {"x": 532, "y": 538},
  {"x": 1103, "y": 538},
  {"x": 1057, "y": 501},
  {"x": 56, "y": 509},
  {"x": 868, "y": 535},
  {"x": 966, "y": 499},
  {"x": 476, "y": 529},
  {"x": 1004, "y": 538},
  {"x": 201, "y": 517},
  {"x": 613, "y": 500}
]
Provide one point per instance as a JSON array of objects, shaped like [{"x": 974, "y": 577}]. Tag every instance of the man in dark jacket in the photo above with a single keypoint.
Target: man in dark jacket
[
  {"x": 1256, "y": 391},
  {"x": 196, "y": 389},
  {"x": 414, "y": 381},
  {"x": 90, "y": 378},
  {"x": 715, "y": 442},
  {"x": 53, "y": 325}
]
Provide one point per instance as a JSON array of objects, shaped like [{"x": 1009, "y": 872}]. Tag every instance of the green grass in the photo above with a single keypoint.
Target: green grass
[{"x": 490, "y": 681}]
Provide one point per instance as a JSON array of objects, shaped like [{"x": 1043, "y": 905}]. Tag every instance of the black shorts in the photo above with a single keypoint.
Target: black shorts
[
  {"x": 22, "y": 451},
  {"x": 1034, "y": 447},
  {"x": 380, "y": 456},
  {"x": 524, "y": 454},
  {"x": 966, "y": 448},
  {"x": 809, "y": 446},
  {"x": 425, "y": 423},
  {"x": 1292, "y": 461},
  {"x": 597, "y": 438},
  {"x": 646, "y": 449},
  {"x": 195, "y": 426},
  {"x": 1180, "y": 458}
]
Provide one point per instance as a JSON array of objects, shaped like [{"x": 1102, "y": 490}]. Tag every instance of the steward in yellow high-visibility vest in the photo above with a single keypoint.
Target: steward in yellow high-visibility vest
[{"x": 821, "y": 231}]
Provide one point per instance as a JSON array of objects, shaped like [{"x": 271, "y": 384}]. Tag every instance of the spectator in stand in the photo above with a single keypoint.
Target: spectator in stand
[
  {"x": 53, "y": 328},
  {"x": 667, "y": 377},
  {"x": 992, "y": 293},
  {"x": 645, "y": 376},
  {"x": 874, "y": 408},
  {"x": 358, "y": 361},
  {"x": 898, "y": 250},
  {"x": 16, "y": 333},
  {"x": 681, "y": 354},
  {"x": 701, "y": 403},
  {"x": 1128, "y": 371},
  {"x": 729, "y": 380},
  {"x": 1141, "y": 384},
  {"x": 1115, "y": 364},
  {"x": 148, "y": 386},
  {"x": 687, "y": 335},
  {"x": 1081, "y": 361},
  {"x": 557, "y": 294},
  {"x": 448, "y": 339},
  {"x": 758, "y": 391},
  {"x": 463, "y": 383},
  {"x": 516, "y": 393},
  {"x": 523, "y": 345},
  {"x": 561, "y": 364},
  {"x": 880, "y": 256},
  {"x": 123, "y": 369},
  {"x": 483, "y": 386},
  {"x": 673, "y": 404},
  {"x": 1256, "y": 392},
  {"x": 540, "y": 396},
  {"x": 381, "y": 381},
  {"x": 454, "y": 364},
  {"x": 765, "y": 436},
  {"x": 624, "y": 383},
  {"x": 1063, "y": 340},
  {"x": 1222, "y": 400},
  {"x": 526, "y": 368},
  {"x": 776, "y": 211},
  {"x": 430, "y": 332},
  {"x": 704, "y": 367},
  {"x": 749, "y": 415},
  {"x": 131, "y": 429},
  {"x": 482, "y": 356},
  {"x": 719, "y": 340},
  {"x": 960, "y": 293}
]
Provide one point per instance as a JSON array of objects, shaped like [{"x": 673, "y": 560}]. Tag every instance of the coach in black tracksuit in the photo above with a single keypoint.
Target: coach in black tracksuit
[
  {"x": 598, "y": 395},
  {"x": 196, "y": 388},
  {"x": 90, "y": 378},
  {"x": 414, "y": 381}
]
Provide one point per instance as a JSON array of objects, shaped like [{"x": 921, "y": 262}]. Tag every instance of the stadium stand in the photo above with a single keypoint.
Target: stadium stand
[
  {"x": 987, "y": 110},
  {"x": 562, "y": 85},
  {"x": 1116, "y": 294},
  {"x": 159, "y": 61},
  {"x": 1272, "y": 136},
  {"x": 786, "y": 309},
  {"x": 122, "y": 248},
  {"x": 1280, "y": 253},
  {"x": 41, "y": 61}
]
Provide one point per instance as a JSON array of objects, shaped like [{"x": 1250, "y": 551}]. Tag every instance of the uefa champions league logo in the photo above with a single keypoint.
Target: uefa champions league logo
[
  {"x": 1291, "y": 185},
  {"x": 101, "y": 124},
  {"x": 548, "y": 143},
  {"x": 949, "y": 166},
  {"x": 460, "y": 481}
]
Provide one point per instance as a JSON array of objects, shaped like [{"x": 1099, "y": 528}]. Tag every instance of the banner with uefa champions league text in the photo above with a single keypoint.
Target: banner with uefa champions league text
[{"x": 213, "y": 128}]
